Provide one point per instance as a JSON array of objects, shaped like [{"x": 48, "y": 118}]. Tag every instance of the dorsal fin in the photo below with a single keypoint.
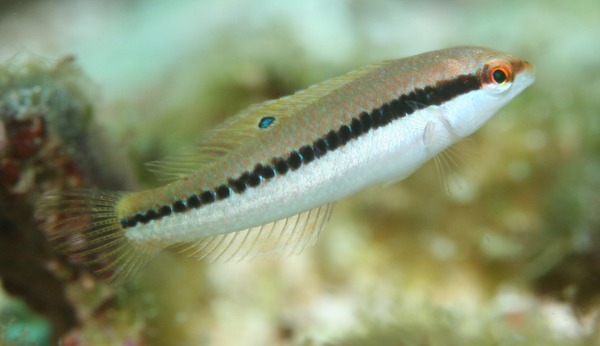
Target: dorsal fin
[
  {"x": 285, "y": 236},
  {"x": 235, "y": 132}
]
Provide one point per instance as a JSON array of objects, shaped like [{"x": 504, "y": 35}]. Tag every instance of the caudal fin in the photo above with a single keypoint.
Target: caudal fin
[{"x": 84, "y": 224}]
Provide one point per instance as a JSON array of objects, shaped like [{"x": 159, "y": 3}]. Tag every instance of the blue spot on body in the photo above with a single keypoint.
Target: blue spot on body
[{"x": 266, "y": 122}]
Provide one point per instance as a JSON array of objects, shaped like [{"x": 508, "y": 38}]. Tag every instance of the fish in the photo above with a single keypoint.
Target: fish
[{"x": 265, "y": 181}]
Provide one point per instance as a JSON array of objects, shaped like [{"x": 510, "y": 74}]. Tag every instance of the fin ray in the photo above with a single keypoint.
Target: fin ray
[
  {"x": 287, "y": 236},
  {"x": 84, "y": 224},
  {"x": 454, "y": 162},
  {"x": 238, "y": 130}
]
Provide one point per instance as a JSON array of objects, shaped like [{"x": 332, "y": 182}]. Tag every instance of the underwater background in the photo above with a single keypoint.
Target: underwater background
[{"x": 507, "y": 253}]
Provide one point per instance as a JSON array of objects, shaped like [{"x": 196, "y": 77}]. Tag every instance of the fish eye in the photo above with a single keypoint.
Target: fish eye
[
  {"x": 498, "y": 72},
  {"x": 499, "y": 76}
]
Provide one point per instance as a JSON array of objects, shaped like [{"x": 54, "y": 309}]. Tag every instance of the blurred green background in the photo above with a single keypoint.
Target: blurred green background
[{"x": 511, "y": 255}]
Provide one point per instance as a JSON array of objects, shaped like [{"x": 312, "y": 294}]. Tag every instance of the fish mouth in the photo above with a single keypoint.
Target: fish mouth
[
  {"x": 522, "y": 66},
  {"x": 524, "y": 73},
  {"x": 524, "y": 69},
  {"x": 529, "y": 70}
]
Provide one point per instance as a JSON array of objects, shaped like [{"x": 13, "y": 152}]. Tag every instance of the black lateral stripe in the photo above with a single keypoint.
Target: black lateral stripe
[{"x": 362, "y": 123}]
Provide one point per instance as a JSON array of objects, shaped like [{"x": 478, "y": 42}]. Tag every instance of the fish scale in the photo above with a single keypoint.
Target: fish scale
[{"x": 265, "y": 181}]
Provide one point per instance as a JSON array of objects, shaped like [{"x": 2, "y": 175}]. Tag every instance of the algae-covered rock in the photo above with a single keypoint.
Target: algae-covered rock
[{"x": 47, "y": 142}]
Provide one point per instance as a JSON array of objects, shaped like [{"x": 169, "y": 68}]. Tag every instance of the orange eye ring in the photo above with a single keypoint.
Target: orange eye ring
[{"x": 498, "y": 72}]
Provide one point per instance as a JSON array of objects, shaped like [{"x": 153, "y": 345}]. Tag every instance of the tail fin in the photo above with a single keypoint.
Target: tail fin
[{"x": 84, "y": 224}]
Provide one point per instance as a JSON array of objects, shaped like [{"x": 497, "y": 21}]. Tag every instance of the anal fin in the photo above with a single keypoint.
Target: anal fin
[{"x": 286, "y": 236}]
